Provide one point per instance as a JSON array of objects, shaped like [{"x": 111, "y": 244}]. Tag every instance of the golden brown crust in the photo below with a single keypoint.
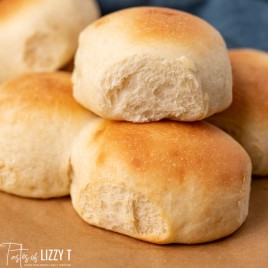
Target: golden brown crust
[
  {"x": 47, "y": 90},
  {"x": 250, "y": 84},
  {"x": 39, "y": 121},
  {"x": 161, "y": 182},
  {"x": 177, "y": 147},
  {"x": 156, "y": 24},
  {"x": 11, "y": 7},
  {"x": 246, "y": 118},
  {"x": 160, "y": 63}
]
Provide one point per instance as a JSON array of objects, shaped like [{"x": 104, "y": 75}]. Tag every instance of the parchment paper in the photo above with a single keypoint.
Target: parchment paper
[{"x": 49, "y": 225}]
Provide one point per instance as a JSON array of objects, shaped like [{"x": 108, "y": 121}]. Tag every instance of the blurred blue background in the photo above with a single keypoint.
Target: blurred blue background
[{"x": 243, "y": 23}]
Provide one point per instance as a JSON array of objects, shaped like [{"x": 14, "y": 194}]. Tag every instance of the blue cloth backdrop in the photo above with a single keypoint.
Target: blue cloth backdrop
[{"x": 243, "y": 23}]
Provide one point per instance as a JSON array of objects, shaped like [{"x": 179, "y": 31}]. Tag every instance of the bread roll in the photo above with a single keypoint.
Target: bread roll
[
  {"x": 40, "y": 35},
  {"x": 39, "y": 120},
  {"x": 144, "y": 64},
  {"x": 162, "y": 182},
  {"x": 247, "y": 118}
]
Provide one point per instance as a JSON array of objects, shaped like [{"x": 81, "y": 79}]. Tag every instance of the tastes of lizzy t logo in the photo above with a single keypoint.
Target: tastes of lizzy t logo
[{"x": 14, "y": 253}]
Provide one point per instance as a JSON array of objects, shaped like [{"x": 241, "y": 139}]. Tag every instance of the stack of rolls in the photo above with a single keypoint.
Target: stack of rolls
[
  {"x": 162, "y": 182},
  {"x": 39, "y": 116},
  {"x": 126, "y": 139}
]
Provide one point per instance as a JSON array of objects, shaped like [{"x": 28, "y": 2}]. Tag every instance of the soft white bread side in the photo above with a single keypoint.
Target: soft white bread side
[
  {"x": 145, "y": 64},
  {"x": 40, "y": 35},
  {"x": 39, "y": 120},
  {"x": 247, "y": 118},
  {"x": 162, "y": 182}
]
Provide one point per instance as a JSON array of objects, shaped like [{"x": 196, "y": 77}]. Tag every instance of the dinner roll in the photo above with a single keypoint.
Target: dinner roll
[
  {"x": 144, "y": 64},
  {"x": 162, "y": 182},
  {"x": 39, "y": 120},
  {"x": 40, "y": 35},
  {"x": 247, "y": 118}
]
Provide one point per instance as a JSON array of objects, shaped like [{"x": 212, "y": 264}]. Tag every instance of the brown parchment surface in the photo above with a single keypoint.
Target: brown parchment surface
[{"x": 53, "y": 224}]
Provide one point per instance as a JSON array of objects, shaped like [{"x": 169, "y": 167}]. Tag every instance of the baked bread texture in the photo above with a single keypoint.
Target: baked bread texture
[
  {"x": 144, "y": 64},
  {"x": 40, "y": 35},
  {"x": 162, "y": 182},
  {"x": 39, "y": 120},
  {"x": 247, "y": 117}
]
